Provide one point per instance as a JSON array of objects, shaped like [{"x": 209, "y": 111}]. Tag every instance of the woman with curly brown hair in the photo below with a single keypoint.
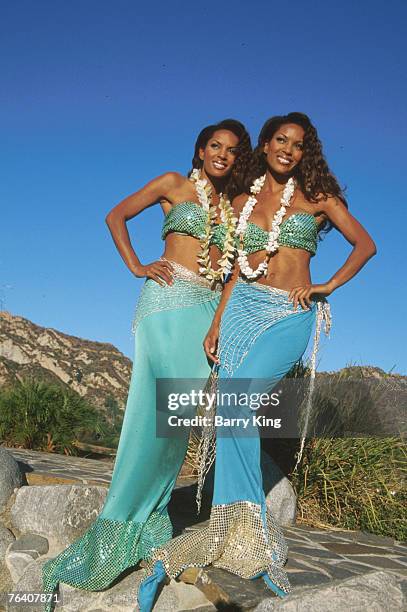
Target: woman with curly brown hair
[
  {"x": 263, "y": 324},
  {"x": 174, "y": 311}
]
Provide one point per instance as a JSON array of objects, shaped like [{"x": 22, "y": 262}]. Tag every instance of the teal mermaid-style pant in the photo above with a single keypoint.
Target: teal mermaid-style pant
[
  {"x": 169, "y": 326},
  {"x": 261, "y": 339}
]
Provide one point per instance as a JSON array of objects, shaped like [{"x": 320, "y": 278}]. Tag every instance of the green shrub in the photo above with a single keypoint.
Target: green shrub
[{"x": 44, "y": 416}]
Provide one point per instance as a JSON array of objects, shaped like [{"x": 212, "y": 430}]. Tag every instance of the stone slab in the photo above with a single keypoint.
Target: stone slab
[
  {"x": 300, "y": 579},
  {"x": 363, "y": 537},
  {"x": 6, "y": 538},
  {"x": 336, "y": 571},
  {"x": 314, "y": 552},
  {"x": 382, "y": 562},
  {"x": 17, "y": 563},
  {"x": 42, "y": 468},
  {"x": 373, "y": 592},
  {"x": 11, "y": 476},
  {"x": 44, "y": 478},
  {"x": 296, "y": 565},
  {"x": 355, "y": 549},
  {"x": 62, "y": 513},
  {"x": 31, "y": 542}
]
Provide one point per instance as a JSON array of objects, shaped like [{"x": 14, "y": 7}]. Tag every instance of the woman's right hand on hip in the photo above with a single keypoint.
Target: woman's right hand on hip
[{"x": 160, "y": 271}]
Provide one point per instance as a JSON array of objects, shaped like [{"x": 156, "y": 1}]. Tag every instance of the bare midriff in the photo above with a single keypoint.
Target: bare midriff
[
  {"x": 185, "y": 250},
  {"x": 287, "y": 268}
]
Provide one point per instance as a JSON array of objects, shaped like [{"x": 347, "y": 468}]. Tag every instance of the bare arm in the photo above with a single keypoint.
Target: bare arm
[
  {"x": 363, "y": 249},
  {"x": 363, "y": 246},
  {"x": 162, "y": 187}
]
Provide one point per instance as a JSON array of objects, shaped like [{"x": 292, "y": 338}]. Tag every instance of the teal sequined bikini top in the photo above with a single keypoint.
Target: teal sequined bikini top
[
  {"x": 190, "y": 219},
  {"x": 299, "y": 231}
]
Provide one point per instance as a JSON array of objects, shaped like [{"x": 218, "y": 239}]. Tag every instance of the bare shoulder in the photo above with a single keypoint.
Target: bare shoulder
[
  {"x": 239, "y": 201},
  {"x": 169, "y": 186},
  {"x": 172, "y": 180},
  {"x": 330, "y": 204}
]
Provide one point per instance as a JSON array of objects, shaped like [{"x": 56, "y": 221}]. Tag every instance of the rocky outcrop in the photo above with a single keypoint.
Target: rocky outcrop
[
  {"x": 122, "y": 597},
  {"x": 6, "y": 538},
  {"x": 22, "y": 552},
  {"x": 62, "y": 512},
  {"x": 280, "y": 496},
  {"x": 339, "y": 569},
  {"x": 29, "y": 582},
  {"x": 10, "y": 476},
  {"x": 97, "y": 371},
  {"x": 372, "y": 591}
]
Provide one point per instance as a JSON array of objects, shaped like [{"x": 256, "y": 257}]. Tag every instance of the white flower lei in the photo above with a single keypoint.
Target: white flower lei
[
  {"x": 203, "y": 191},
  {"x": 272, "y": 243}
]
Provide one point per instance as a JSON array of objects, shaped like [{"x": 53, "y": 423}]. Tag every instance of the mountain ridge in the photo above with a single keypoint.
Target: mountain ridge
[{"x": 98, "y": 371}]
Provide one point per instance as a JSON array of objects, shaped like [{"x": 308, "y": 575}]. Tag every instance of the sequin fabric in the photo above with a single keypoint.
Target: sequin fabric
[
  {"x": 188, "y": 289},
  {"x": 190, "y": 219},
  {"x": 299, "y": 231},
  {"x": 219, "y": 236},
  {"x": 107, "y": 549},
  {"x": 242, "y": 538},
  {"x": 185, "y": 218}
]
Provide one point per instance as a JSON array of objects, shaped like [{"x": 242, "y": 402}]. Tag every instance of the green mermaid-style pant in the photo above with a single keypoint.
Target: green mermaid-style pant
[
  {"x": 261, "y": 338},
  {"x": 169, "y": 326}
]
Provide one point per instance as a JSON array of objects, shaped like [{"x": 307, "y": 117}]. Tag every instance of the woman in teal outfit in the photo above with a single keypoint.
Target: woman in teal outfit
[
  {"x": 175, "y": 309},
  {"x": 260, "y": 330}
]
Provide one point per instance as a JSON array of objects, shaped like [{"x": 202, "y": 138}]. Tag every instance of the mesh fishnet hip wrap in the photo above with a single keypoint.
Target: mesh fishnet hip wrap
[
  {"x": 188, "y": 289},
  {"x": 251, "y": 311}
]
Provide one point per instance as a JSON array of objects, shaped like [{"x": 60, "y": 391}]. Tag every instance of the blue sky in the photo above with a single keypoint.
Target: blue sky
[{"x": 99, "y": 97}]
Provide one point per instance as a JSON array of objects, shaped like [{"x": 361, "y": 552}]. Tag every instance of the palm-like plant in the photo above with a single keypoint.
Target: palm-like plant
[{"x": 44, "y": 416}]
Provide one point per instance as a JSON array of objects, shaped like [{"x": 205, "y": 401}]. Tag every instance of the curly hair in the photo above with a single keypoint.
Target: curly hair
[
  {"x": 312, "y": 173},
  {"x": 236, "y": 182}
]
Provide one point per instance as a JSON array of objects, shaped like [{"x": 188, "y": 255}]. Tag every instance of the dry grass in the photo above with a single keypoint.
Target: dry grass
[
  {"x": 354, "y": 483},
  {"x": 344, "y": 480}
]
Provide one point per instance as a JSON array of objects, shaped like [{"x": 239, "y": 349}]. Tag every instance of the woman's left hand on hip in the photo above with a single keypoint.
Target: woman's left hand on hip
[{"x": 302, "y": 294}]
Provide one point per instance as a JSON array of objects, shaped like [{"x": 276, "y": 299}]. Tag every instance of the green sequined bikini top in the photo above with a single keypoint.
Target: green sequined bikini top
[
  {"x": 299, "y": 231},
  {"x": 190, "y": 219}
]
